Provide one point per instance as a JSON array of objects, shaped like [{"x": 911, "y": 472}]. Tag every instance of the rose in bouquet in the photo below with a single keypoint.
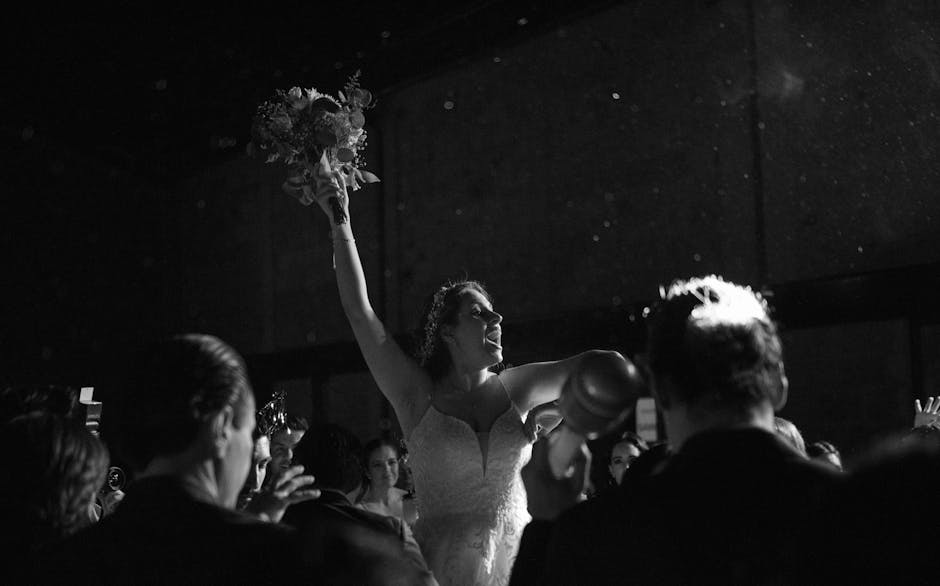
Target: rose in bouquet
[{"x": 306, "y": 129}]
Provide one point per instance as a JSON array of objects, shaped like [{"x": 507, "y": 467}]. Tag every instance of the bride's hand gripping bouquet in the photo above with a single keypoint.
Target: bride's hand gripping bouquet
[{"x": 316, "y": 135}]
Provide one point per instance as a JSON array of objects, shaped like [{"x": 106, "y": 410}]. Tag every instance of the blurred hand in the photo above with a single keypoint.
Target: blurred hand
[
  {"x": 929, "y": 416},
  {"x": 548, "y": 496},
  {"x": 542, "y": 420},
  {"x": 287, "y": 487}
]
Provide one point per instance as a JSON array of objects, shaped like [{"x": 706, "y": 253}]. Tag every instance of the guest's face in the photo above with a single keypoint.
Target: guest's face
[
  {"x": 239, "y": 449},
  {"x": 621, "y": 457},
  {"x": 282, "y": 448},
  {"x": 260, "y": 459},
  {"x": 383, "y": 467}
]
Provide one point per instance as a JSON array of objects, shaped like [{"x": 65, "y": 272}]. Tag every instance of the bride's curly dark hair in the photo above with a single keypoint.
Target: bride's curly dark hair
[{"x": 441, "y": 308}]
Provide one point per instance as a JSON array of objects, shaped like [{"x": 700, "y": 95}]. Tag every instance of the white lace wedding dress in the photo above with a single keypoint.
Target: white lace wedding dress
[{"x": 471, "y": 501}]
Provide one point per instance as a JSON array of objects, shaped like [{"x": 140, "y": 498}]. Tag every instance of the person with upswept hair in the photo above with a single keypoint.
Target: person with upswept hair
[{"x": 186, "y": 416}]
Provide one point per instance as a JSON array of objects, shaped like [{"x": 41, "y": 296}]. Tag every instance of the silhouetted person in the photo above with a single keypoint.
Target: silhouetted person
[
  {"x": 53, "y": 469},
  {"x": 187, "y": 412},
  {"x": 731, "y": 502},
  {"x": 879, "y": 523}
]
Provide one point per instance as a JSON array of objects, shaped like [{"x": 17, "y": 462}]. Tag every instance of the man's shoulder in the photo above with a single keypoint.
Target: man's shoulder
[
  {"x": 599, "y": 515},
  {"x": 127, "y": 547},
  {"x": 341, "y": 513}
]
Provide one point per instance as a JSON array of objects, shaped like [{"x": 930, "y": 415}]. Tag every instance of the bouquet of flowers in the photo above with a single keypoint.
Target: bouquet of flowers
[{"x": 305, "y": 129}]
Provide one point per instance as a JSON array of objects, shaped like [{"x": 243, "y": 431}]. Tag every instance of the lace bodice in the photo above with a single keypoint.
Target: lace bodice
[{"x": 472, "y": 504}]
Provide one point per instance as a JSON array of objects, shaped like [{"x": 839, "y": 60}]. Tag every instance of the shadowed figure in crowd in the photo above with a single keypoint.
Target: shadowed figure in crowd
[
  {"x": 351, "y": 545},
  {"x": 260, "y": 459},
  {"x": 283, "y": 442},
  {"x": 730, "y": 503},
  {"x": 186, "y": 414},
  {"x": 880, "y": 518},
  {"x": 54, "y": 469},
  {"x": 623, "y": 453}
]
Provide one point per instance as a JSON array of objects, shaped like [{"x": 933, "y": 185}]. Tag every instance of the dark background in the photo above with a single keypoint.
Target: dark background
[{"x": 572, "y": 156}]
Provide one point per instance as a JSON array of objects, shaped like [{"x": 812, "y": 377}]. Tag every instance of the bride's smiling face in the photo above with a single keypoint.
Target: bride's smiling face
[{"x": 475, "y": 340}]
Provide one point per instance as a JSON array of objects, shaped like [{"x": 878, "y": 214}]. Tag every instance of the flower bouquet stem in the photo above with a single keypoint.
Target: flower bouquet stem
[
  {"x": 339, "y": 213},
  {"x": 298, "y": 185}
]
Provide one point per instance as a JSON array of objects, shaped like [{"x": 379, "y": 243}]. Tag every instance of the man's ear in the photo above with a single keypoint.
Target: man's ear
[{"x": 220, "y": 426}]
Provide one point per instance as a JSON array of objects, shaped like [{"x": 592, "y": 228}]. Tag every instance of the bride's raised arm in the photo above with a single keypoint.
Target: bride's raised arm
[{"x": 405, "y": 384}]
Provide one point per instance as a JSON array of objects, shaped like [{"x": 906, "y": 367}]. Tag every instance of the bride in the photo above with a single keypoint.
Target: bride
[{"x": 464, "y": 424}]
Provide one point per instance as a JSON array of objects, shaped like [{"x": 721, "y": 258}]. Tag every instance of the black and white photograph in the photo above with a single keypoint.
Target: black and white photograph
[{"x": 471, "y": 293}]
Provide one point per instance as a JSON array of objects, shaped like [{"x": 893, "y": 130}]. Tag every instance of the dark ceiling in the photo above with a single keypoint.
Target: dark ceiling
[{"x": 163, "y": 93}]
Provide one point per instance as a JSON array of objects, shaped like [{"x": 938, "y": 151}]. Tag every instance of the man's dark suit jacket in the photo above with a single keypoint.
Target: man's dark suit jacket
[
  {"x": 729, "y": 508},
  {"x": 350, "y": 545},
  {"x": 161, "y": 534}
]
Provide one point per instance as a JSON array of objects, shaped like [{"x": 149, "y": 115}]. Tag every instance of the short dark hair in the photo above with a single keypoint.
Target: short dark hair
[
  {"x": 172, "y": 388},
  {"x": 716, "y": 341},
  {"x": 297, "y": 423},
  {"x": 331, "y": 453},
  {"x": 55, "y": 468}
]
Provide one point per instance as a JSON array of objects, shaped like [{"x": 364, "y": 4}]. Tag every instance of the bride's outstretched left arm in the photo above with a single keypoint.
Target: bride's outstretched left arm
[{"x": 533, "y": 384}]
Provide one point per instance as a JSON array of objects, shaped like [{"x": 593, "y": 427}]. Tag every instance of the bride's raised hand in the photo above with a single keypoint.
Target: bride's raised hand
[{"x": 331, "y": 193}]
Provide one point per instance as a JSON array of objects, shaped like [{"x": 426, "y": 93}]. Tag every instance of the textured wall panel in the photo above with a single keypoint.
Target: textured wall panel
[
  {"x": 353, "y": 401},
  {"x": 257, "y": 265},
  {"x": 849, "y": 99},
  {"x": 849, "y": 384},
  {"x": 581, "y": 168}
]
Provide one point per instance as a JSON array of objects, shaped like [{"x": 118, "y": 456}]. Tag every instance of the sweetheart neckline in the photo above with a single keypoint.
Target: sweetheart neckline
[
  {"x": 483, "y": 451},
  {"x": 470, "y": 427}
]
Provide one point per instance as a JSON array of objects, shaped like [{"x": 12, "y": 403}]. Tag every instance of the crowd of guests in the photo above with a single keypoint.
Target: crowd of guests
[{"x": 221, "y": 492}]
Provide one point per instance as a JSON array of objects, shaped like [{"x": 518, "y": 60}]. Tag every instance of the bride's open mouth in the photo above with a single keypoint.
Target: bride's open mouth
[{"x": 493, "y": 337}]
